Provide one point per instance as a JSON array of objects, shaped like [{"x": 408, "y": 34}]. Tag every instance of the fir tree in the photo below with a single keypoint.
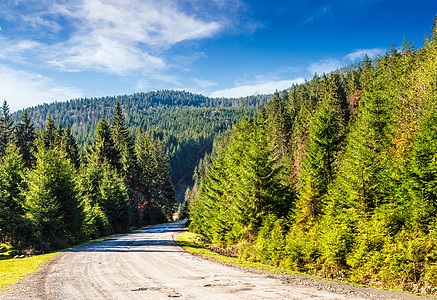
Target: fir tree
[
  {"x": 24, "y": 138},
  {"x": 49, "y": 136},
  {"x": 52, "y": 202},
  {"x": 6, "y": 127},
  {"x": 69, "y": 145},
  {"x": 104, "y": 148},
  {"x": 11, "y": 200}
]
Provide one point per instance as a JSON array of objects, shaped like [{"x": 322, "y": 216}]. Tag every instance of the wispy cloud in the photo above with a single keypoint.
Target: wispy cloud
[
  {"x": 122, "y": 36},
  {"x": 325, "y": 66},
  {"x": 256, "y": 89},
  {"x": 204, "y": 83},
  {"x": 17, "y": 51},
  {"x": 359, "y": 54},
  {"x": 328, "y": 65},
  {"x": 321, "y": 12},
  {"x": 23, "y": 89},
  {"x": 115, "y": 37}
]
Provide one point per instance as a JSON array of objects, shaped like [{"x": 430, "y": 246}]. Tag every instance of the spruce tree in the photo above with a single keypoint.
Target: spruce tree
[
  {"x": 49, "y": 136},
  {"x": 11, "y": 200},
  {"x": 24, "y": 138},
  {"x": 52, "y": 201},
  {"x": 104, "y": 147},
  {"x": 69, "y": 145},
  {"x": 123, "y": 142},
  {"x": 6, "y": 128},
  {"x": 318, "y": 164}
]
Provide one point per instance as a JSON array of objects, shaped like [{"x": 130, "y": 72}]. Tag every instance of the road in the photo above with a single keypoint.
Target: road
[{"x": 149, "y": 265}]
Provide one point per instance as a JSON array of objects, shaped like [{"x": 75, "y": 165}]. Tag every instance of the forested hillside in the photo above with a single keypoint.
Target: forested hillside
[
  {"x": 336, "y": 177},
  {"x": 50, "y": 198},
  {"x": 184, "y": 122}
]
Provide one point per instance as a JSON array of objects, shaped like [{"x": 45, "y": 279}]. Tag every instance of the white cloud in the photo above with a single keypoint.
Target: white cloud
[
  {"x": 17, "y": 50},
  {"x": 256, "y": 89},
  {"x": 321, "y": 12},
  {"x": 359, "y": 54},
  {"x": 23, "y": 89},
  {"x": 328, "y": 65},
  {"x": 123, "y": 36},
  {"x": 325, "y": 66},
  {"x": 204, "y": 83},
  {"x": 112, "y": 36}
]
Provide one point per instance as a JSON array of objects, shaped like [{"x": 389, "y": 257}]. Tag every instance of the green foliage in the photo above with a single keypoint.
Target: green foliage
[
  {"x": 358, "y": 149},
  {"x": 104, "y": 148},
  {"x": 69, "y": 146},
  {"x": 155, "y": 195},
  {"x": 24, "y": 138},
  {"x": 51, "y": 200},
  {"x": 6, "y": 128},
  {"x": 184, "y": 122},
  {"x": 11, "y": 200}
]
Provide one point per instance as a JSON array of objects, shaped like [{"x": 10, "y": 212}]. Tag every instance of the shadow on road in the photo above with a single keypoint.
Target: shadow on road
[{"x": 140, "y": 241}]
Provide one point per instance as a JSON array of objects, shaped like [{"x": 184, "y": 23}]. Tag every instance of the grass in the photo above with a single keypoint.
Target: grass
[
  {"x": 13, "y": 269},
  {"x": 191, "y": 243}
]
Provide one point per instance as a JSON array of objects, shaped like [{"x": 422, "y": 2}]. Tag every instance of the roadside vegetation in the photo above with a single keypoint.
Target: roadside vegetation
[{"x": 13, "y": 269}]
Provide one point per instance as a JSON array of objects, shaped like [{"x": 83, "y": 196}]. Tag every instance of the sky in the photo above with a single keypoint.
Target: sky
[{"x": 56, "y": 50}]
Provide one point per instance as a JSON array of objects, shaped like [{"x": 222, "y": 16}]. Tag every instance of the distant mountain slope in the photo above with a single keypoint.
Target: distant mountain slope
[{"x": 183, "y": 121}]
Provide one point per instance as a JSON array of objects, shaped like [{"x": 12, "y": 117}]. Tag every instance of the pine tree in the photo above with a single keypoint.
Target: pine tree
[
  {"x": 123, "y": 142},
  {"x": 11, "y": 200},
  {"x": 104, "y": 148},
  {"x": 255, "y": 177},
  {"x": 422, "y": 183},
  {"x": 69, "y": 145},
  {"x": 158, "y": 195},
  {"x": 49, "y": 136},
  {"x": 318, "y": 164},
  {"x": 24, "y": 138},
  {"x": 6, "y": 127},
  {"x": 364, "y": 177},
  {"x": 52, "y": 201}
]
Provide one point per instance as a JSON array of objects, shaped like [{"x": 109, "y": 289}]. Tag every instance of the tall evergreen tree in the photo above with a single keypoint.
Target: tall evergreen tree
[
  {"x": 123, "y": 142},
  {"x": 256, "y": 178},
  {"x": 69, "y": 145},
  {"x": 49, "y": 136},
  {"x": 24, "y": 137},
  {"x": 11, "y": 200},
  {"x": 104, "y": 148},
  {"x": 52, "y": 202},
  {"x": 158, "y": 195},
  {"x": 6, "y": 127},
  {"x": 318, "y": 164}
]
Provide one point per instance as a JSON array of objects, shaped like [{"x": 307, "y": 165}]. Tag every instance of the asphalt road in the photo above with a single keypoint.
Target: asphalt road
[{"x": 149, "y": 265}]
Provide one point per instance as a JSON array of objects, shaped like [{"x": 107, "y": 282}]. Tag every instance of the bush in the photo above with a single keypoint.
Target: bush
[{"x": 5, "y": 247}]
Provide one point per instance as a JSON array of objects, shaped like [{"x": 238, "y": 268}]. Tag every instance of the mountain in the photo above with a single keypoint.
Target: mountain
[{"x": 184, "y": 122}]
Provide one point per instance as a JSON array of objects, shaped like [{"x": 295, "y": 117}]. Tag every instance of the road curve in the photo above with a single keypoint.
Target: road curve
[{"x": 149, "y": 265}]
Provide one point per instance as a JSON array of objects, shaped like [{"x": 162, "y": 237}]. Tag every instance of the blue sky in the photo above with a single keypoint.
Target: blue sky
[{"x": 55, "y": 50}]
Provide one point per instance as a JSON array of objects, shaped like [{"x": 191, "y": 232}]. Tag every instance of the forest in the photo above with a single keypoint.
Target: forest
[
  {"x": 52, "y": 196},
  {"x": 335, "y": 177},
  {"x": 184, "y": 122}
]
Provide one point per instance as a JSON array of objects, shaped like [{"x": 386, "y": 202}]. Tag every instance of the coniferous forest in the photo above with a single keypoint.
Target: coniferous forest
[
  {"x": 52, "y": 196},
  {"x": 86, "y": 168},
  {"x": 336, "y": 177},
  {"x": 185, "y": 123}
]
